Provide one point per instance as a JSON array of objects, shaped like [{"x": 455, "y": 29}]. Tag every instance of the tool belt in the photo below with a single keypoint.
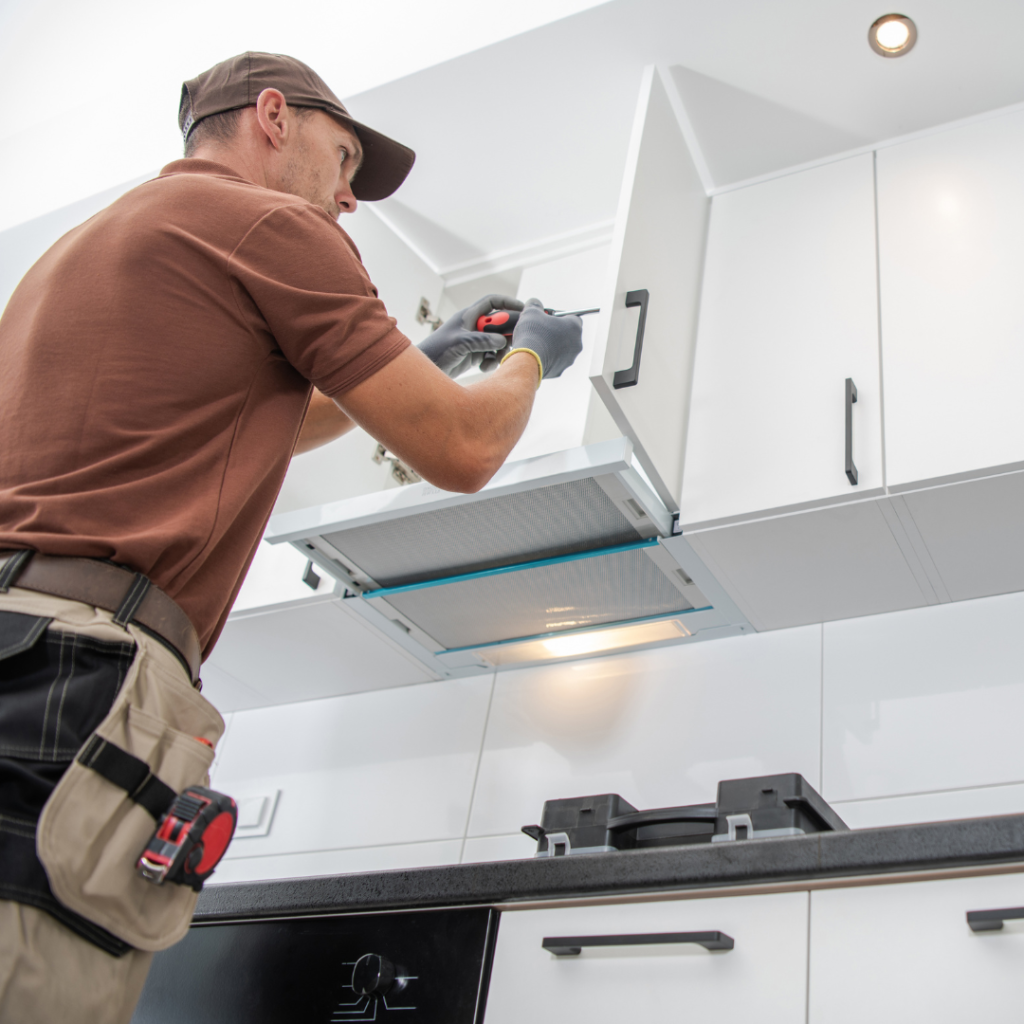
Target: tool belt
[
  {"x": 131, "y": 596},
  {"x": 99, "y": 730}
]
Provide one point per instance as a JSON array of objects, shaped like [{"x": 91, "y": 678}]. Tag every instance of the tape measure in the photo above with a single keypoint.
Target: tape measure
[{"x": 190, "y": 839}]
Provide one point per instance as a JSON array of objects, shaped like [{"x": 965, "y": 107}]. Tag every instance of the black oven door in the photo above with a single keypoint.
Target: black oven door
[{"x": 418, "y": 967}]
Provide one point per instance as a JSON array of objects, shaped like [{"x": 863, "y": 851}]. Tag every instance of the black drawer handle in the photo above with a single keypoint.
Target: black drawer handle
[
  {"x": 992, "y": 920},
  {"x": 573, "y": 945},
  {"x": 627, "y": 378},
  {"x": 851, "y": 397}
]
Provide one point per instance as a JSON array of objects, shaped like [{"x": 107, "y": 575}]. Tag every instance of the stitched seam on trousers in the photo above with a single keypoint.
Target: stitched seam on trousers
[
  {"x": 64, "y": 695},
  {"x": 49, "y": 697},
  {"x": 17, "y": 827},
  {"x": 30, "y": 753},
  {"x": 123, "y": 664},
  {"x": 111, "y": 647}
]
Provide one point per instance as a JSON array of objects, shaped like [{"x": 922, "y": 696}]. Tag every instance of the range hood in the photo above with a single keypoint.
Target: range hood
[{"x": 560, "y": 556}]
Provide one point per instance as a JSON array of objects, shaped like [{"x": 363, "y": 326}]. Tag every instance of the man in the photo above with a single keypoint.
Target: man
[{"x": 159, "y": 366}]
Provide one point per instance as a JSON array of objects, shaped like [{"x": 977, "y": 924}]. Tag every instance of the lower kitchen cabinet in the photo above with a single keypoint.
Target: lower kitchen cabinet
[
  {"x": 900, "y": 953},
  {"x": 763, "y": 977}
]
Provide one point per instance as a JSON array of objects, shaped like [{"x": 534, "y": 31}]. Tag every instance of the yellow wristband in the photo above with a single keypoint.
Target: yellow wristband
[{"x": 540, "y": 365}]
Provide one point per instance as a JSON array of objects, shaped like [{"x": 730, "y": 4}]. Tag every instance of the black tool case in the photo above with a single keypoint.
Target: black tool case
[{"x": 764, "y": 807}]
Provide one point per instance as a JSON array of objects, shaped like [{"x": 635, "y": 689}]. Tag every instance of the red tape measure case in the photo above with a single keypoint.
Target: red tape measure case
[{"x": 190, "y": 839}]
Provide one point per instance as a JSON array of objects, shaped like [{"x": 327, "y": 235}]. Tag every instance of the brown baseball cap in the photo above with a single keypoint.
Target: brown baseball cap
[{"x": 238, "y": 81}]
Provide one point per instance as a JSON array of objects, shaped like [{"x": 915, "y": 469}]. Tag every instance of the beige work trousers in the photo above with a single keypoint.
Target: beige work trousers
[{"x": 49, "y": 975}]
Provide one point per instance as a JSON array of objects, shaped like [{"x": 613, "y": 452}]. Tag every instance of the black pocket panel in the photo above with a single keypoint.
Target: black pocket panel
[
  {"x": 19, "y": 632},
  {"x": 54, "y": 690}
]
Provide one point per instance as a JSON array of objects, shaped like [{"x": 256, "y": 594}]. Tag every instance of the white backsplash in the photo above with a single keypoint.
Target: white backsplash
[{"x": 897, "y": 718}]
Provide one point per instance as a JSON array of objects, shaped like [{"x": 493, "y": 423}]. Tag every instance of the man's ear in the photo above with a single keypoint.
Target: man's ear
[{"x": 274, "y": 117}]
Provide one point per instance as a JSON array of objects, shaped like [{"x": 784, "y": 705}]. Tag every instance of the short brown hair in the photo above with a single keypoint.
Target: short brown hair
[
  {"x": 224, "y": 127},
  {"x": 215, "y": 128}
]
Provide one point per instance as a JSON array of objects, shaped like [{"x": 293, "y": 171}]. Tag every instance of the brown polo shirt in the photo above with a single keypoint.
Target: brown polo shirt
[{"x": 155, "y": 368}]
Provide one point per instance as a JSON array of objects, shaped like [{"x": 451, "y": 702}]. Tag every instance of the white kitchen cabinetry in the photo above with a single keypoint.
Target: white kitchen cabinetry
[
  {"x": 789, "y": 311},
  {"x": 899, "y": 953},
  {"x": 951, "y": 258},
  {"x": 655, "y": 265},
  {"x": 559, "y": 419},
  {"x": 762, "y": 978},
  {"x": 838, "y": 562}
]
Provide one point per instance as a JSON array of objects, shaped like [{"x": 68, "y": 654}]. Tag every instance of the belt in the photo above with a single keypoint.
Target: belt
[{"x": 129, "y": 595}]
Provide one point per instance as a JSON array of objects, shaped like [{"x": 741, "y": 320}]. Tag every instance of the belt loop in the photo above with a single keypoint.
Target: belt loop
[
  {"x": 13, "y": 568},
  {"x": 130, "y": 602}
]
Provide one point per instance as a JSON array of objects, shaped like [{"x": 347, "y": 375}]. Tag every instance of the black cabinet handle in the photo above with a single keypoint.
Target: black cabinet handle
[
  {"x": 627, "y": 378},
  {"x": 992, "y": 920},
  {"x": 851, "y": 397},
  {"x": 573, "y": 945}
]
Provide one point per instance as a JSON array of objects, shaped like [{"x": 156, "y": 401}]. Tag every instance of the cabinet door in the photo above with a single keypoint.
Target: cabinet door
[
  {"x": 899, "y": 953},
  {"x": 559, "y": 415},
  {"x": 657, "y": 249},
  {"x": 762, "y": 978},
  {"x": 789, "y": 311},
  {"x": 951, "y": 257}
]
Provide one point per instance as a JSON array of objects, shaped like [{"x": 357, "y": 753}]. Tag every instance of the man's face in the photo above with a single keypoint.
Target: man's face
[{"x": 321, "y": 162}]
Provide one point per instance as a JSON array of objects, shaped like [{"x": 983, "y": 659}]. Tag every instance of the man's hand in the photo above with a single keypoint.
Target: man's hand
[
  {"x": 457, "y": 346},
  {"x": 556, "y": 341}
]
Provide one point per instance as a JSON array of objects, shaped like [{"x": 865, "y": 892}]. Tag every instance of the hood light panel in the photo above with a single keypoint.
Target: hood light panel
[{"x": 579, "y": 645}]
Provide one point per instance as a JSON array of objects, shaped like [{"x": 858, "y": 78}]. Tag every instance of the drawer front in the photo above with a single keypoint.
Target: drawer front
[
  {"x": 762, "y": 978},
  {"x": 905, "y": 953}
]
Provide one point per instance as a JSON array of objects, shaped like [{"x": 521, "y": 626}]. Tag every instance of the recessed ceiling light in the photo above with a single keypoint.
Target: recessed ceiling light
[{"x": 892, "y": 35}]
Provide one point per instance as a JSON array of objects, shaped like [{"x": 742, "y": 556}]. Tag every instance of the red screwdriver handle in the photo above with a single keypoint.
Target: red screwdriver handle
[{"x": 499, "y": 322}]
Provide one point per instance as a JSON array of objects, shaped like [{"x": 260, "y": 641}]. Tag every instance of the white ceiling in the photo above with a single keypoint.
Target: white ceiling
[
  {"x": 526, "y": 139},
  {"x": 91, "y": 89},
  {"x": 521, "y": 140}
]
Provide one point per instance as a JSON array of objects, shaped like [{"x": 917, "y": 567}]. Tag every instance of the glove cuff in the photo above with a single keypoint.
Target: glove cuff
[{"x": 540, "y": 365}]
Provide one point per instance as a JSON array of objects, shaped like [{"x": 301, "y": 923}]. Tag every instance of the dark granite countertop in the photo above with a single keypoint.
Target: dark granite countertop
[{"x": 975, "y": 842}]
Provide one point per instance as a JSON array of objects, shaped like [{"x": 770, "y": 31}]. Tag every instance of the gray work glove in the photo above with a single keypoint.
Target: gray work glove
[
  {"x": 457, "y": 346},
  {"x": 555, "y": 340}
]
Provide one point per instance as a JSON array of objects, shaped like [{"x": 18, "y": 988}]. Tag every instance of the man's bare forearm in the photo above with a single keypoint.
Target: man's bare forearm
[
  {"x": 485, "y": 427},
  {"x": 324, "y": 423},
  {"x": 455, "y": 437}
]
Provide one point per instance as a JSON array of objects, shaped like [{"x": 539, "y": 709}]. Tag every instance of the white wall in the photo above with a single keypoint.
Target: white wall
[{"x": 907, "y": 717}]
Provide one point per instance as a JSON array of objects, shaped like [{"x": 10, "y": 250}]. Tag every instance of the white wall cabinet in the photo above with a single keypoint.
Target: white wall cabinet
[
  {"x": 951, "y": 257},
  {"x": 762, "y": 978},
  {"x": 657, "y": 248},
  {"x": 559, "y": 419},
  {"x": 790, "y": 308},
  {"x": 789, "y": 311},
  {"x": 898, "y": 953}
]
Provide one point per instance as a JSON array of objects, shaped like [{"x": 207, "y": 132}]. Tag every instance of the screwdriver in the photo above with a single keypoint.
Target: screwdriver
[{"x": 504, "y": 321}]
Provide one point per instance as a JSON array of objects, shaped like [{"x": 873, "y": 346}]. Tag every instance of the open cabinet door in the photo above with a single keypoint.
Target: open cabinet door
[{"x": 644, "y": 356}]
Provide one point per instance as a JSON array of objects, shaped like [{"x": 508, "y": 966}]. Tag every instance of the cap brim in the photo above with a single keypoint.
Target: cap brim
[{"x": 386, "y": 163}]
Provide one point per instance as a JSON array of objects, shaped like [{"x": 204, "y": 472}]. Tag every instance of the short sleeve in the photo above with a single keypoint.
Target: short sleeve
[{"x": 305, "y": 277}]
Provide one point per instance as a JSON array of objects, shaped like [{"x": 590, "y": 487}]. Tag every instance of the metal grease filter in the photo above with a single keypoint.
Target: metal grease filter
[
  {"x": 549, "y": 599},
  {"x": 547, "y": 522}
]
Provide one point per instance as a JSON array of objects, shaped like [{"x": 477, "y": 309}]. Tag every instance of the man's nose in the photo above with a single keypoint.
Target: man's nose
[{"x": 344, "y": 198}]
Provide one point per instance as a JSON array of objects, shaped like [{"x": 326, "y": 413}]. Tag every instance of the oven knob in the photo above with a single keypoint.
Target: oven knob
[{"x": 373, "y": 975}]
